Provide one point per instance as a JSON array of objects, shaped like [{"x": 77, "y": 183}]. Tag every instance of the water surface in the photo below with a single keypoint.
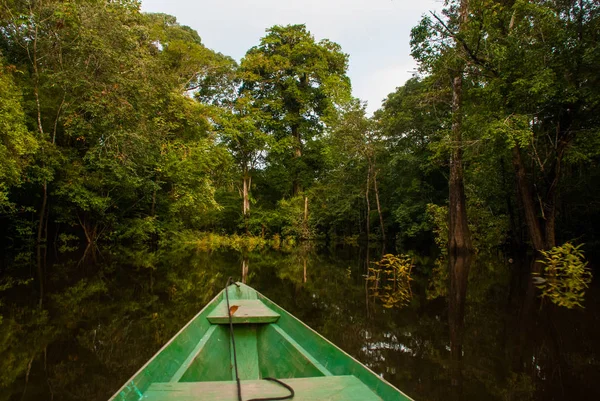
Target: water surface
[{"x": 85, "y": 324}]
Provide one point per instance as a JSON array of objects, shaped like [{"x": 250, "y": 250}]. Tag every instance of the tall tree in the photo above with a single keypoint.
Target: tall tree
[
  {"x": 297, "y": 83},
  {"x": 239, "y": 127},
  {"x": 548, "y": 100},
  {"x": 533, "y": 65},
  {"x": 459, "y": 235},
  {"x": 440, "y": 50}
]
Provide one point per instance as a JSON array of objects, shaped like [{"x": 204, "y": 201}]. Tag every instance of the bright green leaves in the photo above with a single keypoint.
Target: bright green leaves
[
  {"x": 17, "y": 143},
  {"x": 529, "y": 91},
  {"x": 123, "y": 141},
  {"x": 295, "y": 75},
  {"x": 413, "y": 121},
  {"x": 297, "y": 83},
  {"x": 240, "y": 129},
  {"x": 438, "y": 215},
  {"x": 514, "y": 129},
  {"x": 565, "y": 275},
  {"x": 348, "y": 153},
  {"x": 186, "y": 168},
  {"x": 389, "y": 280}
]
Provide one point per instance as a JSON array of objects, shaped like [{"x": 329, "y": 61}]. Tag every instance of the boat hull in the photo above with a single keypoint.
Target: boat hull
[{"x": 196, "y": 363}]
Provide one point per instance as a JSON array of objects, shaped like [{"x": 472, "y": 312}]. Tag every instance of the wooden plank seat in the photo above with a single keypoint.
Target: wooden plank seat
[
  {"x": 244, "y": 311},
  {"x": 325, "y": 388}
]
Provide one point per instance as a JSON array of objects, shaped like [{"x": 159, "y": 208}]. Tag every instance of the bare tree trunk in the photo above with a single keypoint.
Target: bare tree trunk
[
  {"x": 305, "y": 221},
  {"x": 529, "y": 209},
  {"x": 245, "y": 267},
  {"x": 378, "y": 206},
  {"x": 550, "y": 228},
  {"x": 27, "y": 377},
  {"x": 304, "y": 279},
  {"x": 297, "y": 136},
  {"x": 85, "y": 232},
  {"x": 33, "y": 58},
  {"x": 551, "y": 195},
  {"x": 305, "y": 209},
  {"x": 366, "y": 268},
  {"x": 90, "y": 232},
  {"x": 297, "y": 186},
  {"x": 246, "y": 197},
  {"x": 368, "y": 222},
  {"x": 40, "y": 230},
  {"x": 459, "y": 235}
]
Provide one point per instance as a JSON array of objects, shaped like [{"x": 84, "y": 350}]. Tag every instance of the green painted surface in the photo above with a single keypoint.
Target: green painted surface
[
  {"x": 282, "y": 357},
  {"x": 212, "y": 364},
  {"x": 247, "y": 353},
  {"x": 199, "y": 356},
  {"x": 330, "y": 388},
  {"x": 195, "y": 354},
  {"x": 244, "y": 311},
  {"x": 241, "y": 292}
]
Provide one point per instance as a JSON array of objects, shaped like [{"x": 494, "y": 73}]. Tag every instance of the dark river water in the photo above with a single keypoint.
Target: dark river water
[{"x": 80, "y": 326}]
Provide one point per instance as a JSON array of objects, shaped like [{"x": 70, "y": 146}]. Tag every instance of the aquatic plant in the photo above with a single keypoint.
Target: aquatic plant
[
  {"x": 390, "y": 280},
  {"x": 565, "y": 275}
]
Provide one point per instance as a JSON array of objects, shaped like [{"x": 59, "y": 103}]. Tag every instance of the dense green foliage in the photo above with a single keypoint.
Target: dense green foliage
[
  {"x": 529, "y": 104},
  {"x": 120, "y": 126},
  {"x": 566, "y": 275}
]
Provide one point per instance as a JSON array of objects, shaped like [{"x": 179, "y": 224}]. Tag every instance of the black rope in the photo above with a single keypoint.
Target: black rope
[
  {"x": 285, "y": 397},
  {"x": 237, "y": 376}
]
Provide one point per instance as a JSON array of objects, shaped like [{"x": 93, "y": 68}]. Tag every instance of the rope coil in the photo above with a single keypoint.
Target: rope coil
[{"x": 237, "y": 376}]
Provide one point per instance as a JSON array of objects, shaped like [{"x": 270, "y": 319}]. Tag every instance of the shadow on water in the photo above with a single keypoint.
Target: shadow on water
[{"x": 105, "y": 312}]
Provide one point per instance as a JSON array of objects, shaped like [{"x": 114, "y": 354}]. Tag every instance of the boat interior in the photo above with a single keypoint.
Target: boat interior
[{"x": 197, "y": 364}]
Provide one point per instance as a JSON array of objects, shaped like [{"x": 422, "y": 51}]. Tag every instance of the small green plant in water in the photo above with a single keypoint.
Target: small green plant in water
[
  {"x": 390, "y": 280},
  {"x": 565, "y": 275}
]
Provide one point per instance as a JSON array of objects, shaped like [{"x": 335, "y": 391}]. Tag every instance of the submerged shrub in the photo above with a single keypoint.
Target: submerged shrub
[
  {"x": 390, "y": 280},
  {"x": 565, "y": 275}
]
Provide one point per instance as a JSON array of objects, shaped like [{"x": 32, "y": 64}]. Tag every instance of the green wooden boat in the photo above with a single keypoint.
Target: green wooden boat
[{"x": 197, "y": 364}]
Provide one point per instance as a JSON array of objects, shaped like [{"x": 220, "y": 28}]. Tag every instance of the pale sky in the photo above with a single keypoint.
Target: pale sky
[{"x": 375, "y": 33}]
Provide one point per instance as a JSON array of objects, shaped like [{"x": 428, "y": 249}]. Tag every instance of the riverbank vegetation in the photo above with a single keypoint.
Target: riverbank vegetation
[
  {"x": 179, "y": 166},
  {"x": 121, "y": 126}
]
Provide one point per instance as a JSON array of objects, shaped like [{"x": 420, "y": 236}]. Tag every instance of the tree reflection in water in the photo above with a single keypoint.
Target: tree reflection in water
[
  {"x": 459, "y": 265},
  {"x": 104, "y": 316}
]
